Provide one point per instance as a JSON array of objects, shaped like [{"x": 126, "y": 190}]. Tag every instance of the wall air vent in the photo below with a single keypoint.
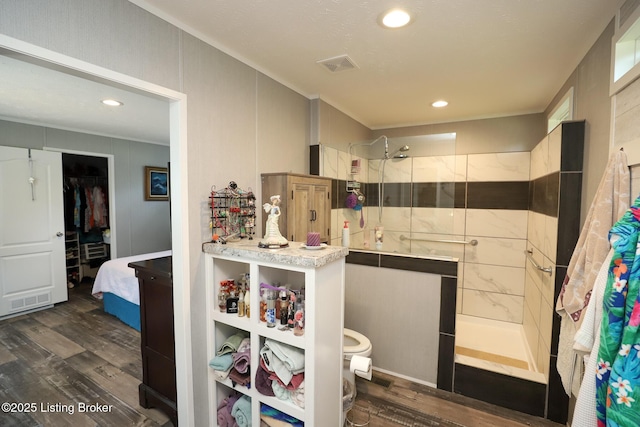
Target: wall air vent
[{"x": 338, "y": 63}]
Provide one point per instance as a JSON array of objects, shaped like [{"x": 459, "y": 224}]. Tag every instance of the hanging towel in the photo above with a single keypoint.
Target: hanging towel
[
  {"x": 618, "y": 370},
  {"x": 242, "y": 411},
  {"x": 610, "y": 202},
  {"x": 232, "y": 343},
  {"x": 588, "y": 341}
]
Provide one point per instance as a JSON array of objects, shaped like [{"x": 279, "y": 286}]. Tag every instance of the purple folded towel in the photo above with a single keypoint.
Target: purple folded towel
[
  {"x": 225, "y": 419},
  {"x": 238, "y": 378},
  {"x": 242, "y": 360},
  {"x": 263, "y": 383}
]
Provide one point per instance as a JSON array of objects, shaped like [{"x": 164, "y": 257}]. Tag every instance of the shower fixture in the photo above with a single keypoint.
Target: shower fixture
[{"x": 396, "y": 154}]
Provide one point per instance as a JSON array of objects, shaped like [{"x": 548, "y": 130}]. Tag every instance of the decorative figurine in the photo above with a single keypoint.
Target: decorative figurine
[{"x": 272, "y": 237}]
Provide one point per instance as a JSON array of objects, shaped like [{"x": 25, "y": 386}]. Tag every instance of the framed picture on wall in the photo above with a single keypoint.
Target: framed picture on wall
[{"x": 156, "y": 183}]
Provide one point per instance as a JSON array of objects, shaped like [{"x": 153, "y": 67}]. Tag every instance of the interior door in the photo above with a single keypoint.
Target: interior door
[{"x": 32, "y": 251}]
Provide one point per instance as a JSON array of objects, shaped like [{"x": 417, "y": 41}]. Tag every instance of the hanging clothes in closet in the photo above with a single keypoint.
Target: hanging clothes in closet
[{"x": 89, "y": 204}]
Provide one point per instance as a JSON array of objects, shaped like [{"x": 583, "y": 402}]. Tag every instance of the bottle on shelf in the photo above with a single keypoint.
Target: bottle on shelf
[
  {"x": 271, "y": 309},
  {"x": 284, "y": 304},
  {"x": 241, "y": 304},
  {"x": 247, "y": 299}
]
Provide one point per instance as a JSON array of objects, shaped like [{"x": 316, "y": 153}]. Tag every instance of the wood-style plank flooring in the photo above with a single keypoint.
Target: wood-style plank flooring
[
  {"x": 391, "y": 402},
  {"x": 59, "y": 361},
  {"x": 75, "y": 354}
]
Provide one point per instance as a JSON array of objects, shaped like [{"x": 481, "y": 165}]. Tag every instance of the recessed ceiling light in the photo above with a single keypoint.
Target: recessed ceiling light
[
  {"x": 440, "y": 104},
  {"x": 112, "y": 102},
  {"x": 395, "y": 18}
]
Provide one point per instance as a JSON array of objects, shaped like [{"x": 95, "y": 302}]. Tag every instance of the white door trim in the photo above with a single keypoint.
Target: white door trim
[{"x": 179, "y": 201}]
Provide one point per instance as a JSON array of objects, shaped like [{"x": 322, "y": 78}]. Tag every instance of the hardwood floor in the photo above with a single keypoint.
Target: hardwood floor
[
  {"x": 61, "y": 360},
  {"x": 391, "y": 401},
  {"x": 74, "y": 354}
]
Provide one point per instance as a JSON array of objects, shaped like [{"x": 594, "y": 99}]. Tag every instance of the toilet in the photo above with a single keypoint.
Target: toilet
[{"x": 355, "y": 344}]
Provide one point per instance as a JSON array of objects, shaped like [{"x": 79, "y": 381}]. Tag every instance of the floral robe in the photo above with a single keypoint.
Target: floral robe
[{"x": 618, "y": 368}]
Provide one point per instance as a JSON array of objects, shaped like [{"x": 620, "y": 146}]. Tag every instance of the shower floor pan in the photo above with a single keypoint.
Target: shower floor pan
[{"x": 495, "y": 346}]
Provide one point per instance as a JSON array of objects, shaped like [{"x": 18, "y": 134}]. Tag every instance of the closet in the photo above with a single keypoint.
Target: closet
[{"x": 86, "y": 216}]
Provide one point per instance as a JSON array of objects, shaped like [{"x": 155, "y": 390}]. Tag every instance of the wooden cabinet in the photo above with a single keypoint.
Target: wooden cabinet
[
  {"x": 321, "y": 273},
  {"x": 158, "y": 387},
  {"x": 305, "y": 205}
]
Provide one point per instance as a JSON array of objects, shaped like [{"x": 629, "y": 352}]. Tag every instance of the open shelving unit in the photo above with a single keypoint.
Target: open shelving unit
[{"x": 321, "y": 272}]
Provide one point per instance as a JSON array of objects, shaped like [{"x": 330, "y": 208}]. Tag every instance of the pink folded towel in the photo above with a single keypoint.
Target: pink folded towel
[{"x": 242, "y": 361}]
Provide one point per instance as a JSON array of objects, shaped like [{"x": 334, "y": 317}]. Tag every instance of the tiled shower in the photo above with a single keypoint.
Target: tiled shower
[{"x": 508, "y": 202}]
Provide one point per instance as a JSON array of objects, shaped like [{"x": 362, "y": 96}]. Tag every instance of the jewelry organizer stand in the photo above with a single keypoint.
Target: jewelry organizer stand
[{"x": 233, "y": 214}]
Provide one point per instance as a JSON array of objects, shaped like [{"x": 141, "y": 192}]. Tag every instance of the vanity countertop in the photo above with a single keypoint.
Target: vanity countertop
[{"x": 295, "y": 254}]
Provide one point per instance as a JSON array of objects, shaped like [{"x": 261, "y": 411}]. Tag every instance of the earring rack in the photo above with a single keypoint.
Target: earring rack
[{"x": 233, "y": 213}]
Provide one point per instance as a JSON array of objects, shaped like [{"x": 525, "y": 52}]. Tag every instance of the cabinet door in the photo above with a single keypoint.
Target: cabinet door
[
  {"x": 322, "y": 208},
  {"x": 299, "y": 215}
]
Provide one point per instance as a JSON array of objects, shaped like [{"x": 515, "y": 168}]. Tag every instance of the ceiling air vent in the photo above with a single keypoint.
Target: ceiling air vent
[{"x": 338, "y": 63}]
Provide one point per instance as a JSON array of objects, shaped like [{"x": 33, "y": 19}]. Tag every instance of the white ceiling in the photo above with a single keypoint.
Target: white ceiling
[{"x": 488, "y": 58}]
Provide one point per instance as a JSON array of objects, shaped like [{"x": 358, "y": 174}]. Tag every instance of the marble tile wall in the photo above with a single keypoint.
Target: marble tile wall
[
  {"x": 556, "y": 176},
  {"x": 477, "y": 196}
]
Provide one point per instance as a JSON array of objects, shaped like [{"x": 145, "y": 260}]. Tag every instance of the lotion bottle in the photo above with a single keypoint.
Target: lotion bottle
[{"x": 345, "y": 234}]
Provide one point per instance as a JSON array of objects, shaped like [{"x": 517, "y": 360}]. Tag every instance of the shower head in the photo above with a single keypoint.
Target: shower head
[{"x": 396, "y": 154}]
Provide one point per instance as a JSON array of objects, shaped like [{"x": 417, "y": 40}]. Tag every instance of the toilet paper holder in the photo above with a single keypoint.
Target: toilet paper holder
[{"x": 361, "y": 366}]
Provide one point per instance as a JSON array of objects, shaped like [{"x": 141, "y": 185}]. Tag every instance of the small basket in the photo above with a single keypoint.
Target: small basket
[{"x": 357, "y": 418}]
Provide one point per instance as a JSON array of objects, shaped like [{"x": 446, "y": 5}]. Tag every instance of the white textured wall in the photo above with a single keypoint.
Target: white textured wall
[{"x": 239, "y": 123}]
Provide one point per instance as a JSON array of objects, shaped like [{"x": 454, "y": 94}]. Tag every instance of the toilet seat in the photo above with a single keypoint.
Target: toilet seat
[{"x": 355, "y": 343}]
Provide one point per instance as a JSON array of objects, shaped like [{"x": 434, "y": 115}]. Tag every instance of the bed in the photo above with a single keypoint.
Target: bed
[{"x": 117, "y": 285}]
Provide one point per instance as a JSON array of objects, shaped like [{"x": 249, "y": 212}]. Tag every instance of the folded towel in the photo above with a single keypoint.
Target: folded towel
[
  {"x": 222, "y": 363},
  {"x": 280, "y": 392},
  {"x": 272, "y": 422},
  {"x": 283, "y": 359},
  {"x": 268, "y": 411},
  {"x": 241, "y": 411},
  {"x": 245, "y": 345},
  {"x": 222, "y": 375},
  {"x": 297, "y": 395},
  {"x": 263, "y": 383},
  {"x": 295, "y": 382},
  {"x": 232, "y": 343},
  {"x": 225, "y": 419},
  {"x": 238, "y": 378},
  {"x": 242, "y": 361}
]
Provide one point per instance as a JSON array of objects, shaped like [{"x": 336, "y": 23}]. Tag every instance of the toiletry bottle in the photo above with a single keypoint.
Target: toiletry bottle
[
  {"x": 298, "y": 319},
  {"x": 263, "y": 304},
  {"x": 241, "y": 304},
  {"x": 247, "y": 299},
  {"x": 345, "y": 234},
  {"x": 284, "y": 304},
  {"x": 232, "y": 303},
  {"x": 271, "y": 309}
]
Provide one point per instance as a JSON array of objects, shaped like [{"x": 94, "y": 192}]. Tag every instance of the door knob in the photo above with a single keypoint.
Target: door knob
[{"x": 59, "y": 234}]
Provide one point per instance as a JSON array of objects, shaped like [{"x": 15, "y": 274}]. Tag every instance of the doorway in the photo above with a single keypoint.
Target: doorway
[
  {"x": 87, "y": 216},
  {"x": 180, "y": 223}
]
